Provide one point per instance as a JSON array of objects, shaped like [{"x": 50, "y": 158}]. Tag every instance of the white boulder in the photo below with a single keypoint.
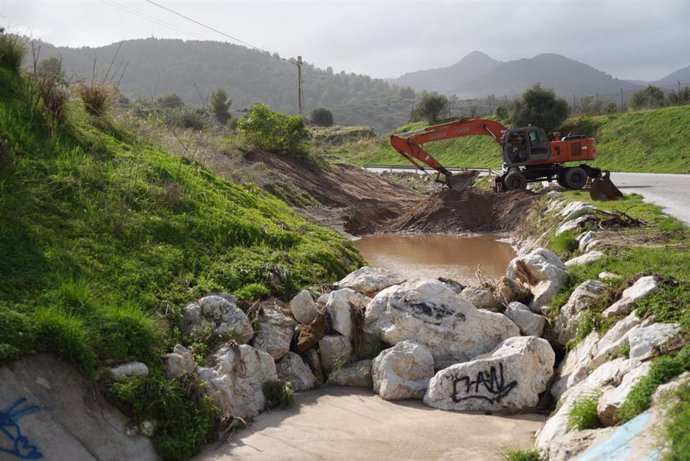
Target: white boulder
[
  {"x": 129, "y": 369},
  {"x": 614, "y": 397},
  {"x": 646, "y": 342},
  {"x": 585, "y": 259},
  {"x": 431, "y": 314},
  {"x": 570, "y": 315},
  {"x": 235, "y": 382},
  {"x": 180, "y": 362},
  {"x": 340, "y": 304},
  {"x": 303, "y": 307},
  {"x": 403, "y": 371},
  {"x": 481, "y": 298},
  {"x": 511, "y": 377},
  {"x": 335, "y": 352},
  {"x": 530, "y": 324},
  {"x": 274, "y": 333},
  {"x": 217, "y": 314},
  {"x": 293, "y": 369},
  {"x": 357, "y": 374},
  {"x": 542, "y": 271},
  {"x": 644, "y": 286},
  {"x": 571, "y": 224},
  {"x": 370, "y": 280}
]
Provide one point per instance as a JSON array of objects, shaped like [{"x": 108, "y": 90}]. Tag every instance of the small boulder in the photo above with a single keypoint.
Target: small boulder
[
  {"x": 303, "y": 307},
  {"x": 403, "y": 371},
  {"x": 571, "y": 224},
  {"x": 431, "y": 314},
  {"x": 510, "y": 377},
  {"x": 530, "y": 324},
  {"x": 585, "y": 259},
  {"x": 335, "y": 352},
  {"x": 481, "y": 298},
  {"x": 311, "y": 334},
  {"x": 340, "y": 304},
  {"x": 293, "y": 369},
  {"x": 570, "y": 315},
  {"x": 180, "y": 362},
  {"x": 357, "y": 374},
  {"x": 220, "y": 316},
  {"x": 644, "y": 286},
  {"x": 646, "y": 342},
  {"x": 370, "y": 280},
  {"x": 614, "y": 397},
  {"x": 574, "y": 210},
  {"x": 542, "y": 271},
  {"x": 575, "y": 367},
  {"x": 129, "y": 369},
  {"x": 235, "y": 382},
  {"x": 274, "y": 333}
]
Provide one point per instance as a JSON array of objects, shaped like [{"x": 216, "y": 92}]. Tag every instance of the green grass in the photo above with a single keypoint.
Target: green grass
[
  {"x": 521, "y": 455},
  {"x": 678, "y": 426},
  {"x": 663, "y": 370},
  {"x": 105, "y": 237},
  {"x": 646, "y": 141},
  {"x": 564, "y": 244},
  {"x": 584, "y": 415}
]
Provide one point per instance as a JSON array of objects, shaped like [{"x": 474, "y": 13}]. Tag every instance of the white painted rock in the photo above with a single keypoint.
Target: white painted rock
[
  {"x": 571, "y": 224},
  {"x": 274, "y": 333},
  {"x": 565, "y": 326},
  {"x": 340, "y": 304},
  {"x": 530, "y": 324},
  {"x": 614, "y": 397},
  {"x": 335, "y": 352},
  {"x": 431, "y": 314},
  {"x": 292, "y": 368},
  {"x": 403, "y": 371},
  {"x": 642, "y": 287},
  {"x": 180, "y": 362},
  {"x": 481, "y": 298},
  {"x": 575, "y": 366},
  {"x": 357, "y": 374},
  {"x": 217, "y": 314},
  {"x": 235, "y": 382},
  {"x": 511, "y": 377},
  {"x": 543, "y": 272},
  {"x": 584, "y": 239},
  {"x": 585, "y": 259},
  {"x": 370, "y": 280},
  {"x": 303, "y": 307},
  {"x": 645, "y": 342},
  {"x": 129, "y": 369}
]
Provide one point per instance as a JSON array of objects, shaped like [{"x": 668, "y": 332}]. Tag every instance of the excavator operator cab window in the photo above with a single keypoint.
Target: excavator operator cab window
[
  {"x": 539, "y": 149},
  {"x": 515, "y": 149}
]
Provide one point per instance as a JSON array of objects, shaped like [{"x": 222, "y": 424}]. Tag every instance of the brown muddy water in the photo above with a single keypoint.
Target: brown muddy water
[{"x": 456, "y": 257}]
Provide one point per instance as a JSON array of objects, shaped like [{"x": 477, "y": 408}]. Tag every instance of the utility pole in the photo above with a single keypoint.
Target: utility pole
[
  {"x": 299, "y": 84},
  {"x": 621, "y": 108}
]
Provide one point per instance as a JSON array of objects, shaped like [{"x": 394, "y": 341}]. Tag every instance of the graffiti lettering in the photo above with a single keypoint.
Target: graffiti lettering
[
  {"x": 12, "y": 440},
  {"x": 493, "y": 383}
]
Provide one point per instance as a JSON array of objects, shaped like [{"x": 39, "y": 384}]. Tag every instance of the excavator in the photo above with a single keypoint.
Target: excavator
[{"x": 528, "y": 156}]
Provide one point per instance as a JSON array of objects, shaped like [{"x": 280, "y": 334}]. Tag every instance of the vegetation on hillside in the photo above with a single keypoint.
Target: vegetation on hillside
[{"x": 105, "y": 237}]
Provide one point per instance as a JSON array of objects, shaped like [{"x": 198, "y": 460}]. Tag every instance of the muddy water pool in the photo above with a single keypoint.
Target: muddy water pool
[{"x": 438, "y": 255}]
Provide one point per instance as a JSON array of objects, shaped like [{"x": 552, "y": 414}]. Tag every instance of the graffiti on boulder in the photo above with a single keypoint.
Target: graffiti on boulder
[{"x": 487, "y": 385}]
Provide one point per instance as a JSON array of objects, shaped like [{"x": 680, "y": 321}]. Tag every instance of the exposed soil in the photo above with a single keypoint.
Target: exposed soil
[{"x": 359, "y": 203}]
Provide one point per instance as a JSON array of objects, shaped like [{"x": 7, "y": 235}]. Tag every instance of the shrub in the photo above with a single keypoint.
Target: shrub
[
  {"x": 55, "y": 98},
  {"x": 430, "y": 106},
  {"x": 170, "y": 101},
  {"x": 185, "y": 117},
  {"x": 275, "y": 132},
  {"x": 17, "y": 334},
  {"x": 220, "y": 105},
  {"x": 12, "y": 50},
  {"x": 321, "y": 117},
  {"x": 583, "y": 415},
  {"x": 650, "y": 97},
  {"x": 521, "y": 455},
  {"x": 96, "y": 97},
  {"x": 540, "y": 107}
]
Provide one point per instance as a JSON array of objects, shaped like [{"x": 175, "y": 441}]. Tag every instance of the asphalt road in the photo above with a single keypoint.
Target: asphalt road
[{"x": 670, "y": 191}]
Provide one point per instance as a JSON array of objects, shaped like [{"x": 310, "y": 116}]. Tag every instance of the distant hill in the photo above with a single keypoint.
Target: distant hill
[
  {"x": 671, "y": 80},
  {"x": 193, "y": 69},
  {"x": 478, "y": 75}
]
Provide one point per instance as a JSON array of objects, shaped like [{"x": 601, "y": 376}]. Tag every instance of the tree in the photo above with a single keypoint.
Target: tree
[
  {"x": 321, "y": 117},
  {"x": 170, "y": 101},
  {"x": 275, "y": 132},
  {"x": 650, "y": 97},
  {"x": 431, "y": 106},
  {"x": 406, "y": 92},
  {"x": 679, "y": 97},
  {"x": 51, "y": 69},
  {"x": 539, "y": 107},
  {"x": 220, "y": 105}
]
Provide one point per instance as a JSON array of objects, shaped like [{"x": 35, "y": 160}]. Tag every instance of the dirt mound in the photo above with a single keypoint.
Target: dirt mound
[{"x": 472, "y": 210}]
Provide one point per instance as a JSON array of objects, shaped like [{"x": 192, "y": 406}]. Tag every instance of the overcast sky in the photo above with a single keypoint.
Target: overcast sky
[{"x": 643, "y": 40}]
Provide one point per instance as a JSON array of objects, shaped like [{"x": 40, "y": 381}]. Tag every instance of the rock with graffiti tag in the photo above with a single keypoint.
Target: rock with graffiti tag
[{"x": 510, "y": 378}]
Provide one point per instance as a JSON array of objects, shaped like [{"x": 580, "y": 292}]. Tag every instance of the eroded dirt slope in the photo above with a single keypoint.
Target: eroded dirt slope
[{"x": 361, "y": 203}]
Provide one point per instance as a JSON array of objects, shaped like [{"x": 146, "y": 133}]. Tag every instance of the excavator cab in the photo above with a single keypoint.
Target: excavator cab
[{"x": 524, "y": 145}]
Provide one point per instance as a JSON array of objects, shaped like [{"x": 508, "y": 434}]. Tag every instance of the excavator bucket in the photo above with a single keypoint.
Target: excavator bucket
[
  {"x": 461, "y": 180},
  {"x": 602, "y": 188}
]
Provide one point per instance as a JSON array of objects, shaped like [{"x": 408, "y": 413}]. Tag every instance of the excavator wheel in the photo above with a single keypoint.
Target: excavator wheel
[
  {"x": 575, "y": 178},
  {"x": 515, "y": 181}
]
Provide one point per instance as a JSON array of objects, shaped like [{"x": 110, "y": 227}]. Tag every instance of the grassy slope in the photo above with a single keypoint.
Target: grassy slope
[
  {"x": 105, "y": 237},
  {"x": 649, "y": 141}
]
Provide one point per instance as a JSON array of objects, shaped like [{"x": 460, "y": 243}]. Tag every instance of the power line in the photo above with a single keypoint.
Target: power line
[
  {"x": 204, "y": 25},
  {"x": 146, "y": 17}
]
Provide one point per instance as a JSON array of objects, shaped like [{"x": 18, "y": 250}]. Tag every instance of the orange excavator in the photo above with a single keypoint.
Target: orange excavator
[{"x": 528, "y": 156}]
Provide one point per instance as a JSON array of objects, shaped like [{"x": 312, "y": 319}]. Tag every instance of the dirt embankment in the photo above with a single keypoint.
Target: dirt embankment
[{"x": 361, "y": 203}]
